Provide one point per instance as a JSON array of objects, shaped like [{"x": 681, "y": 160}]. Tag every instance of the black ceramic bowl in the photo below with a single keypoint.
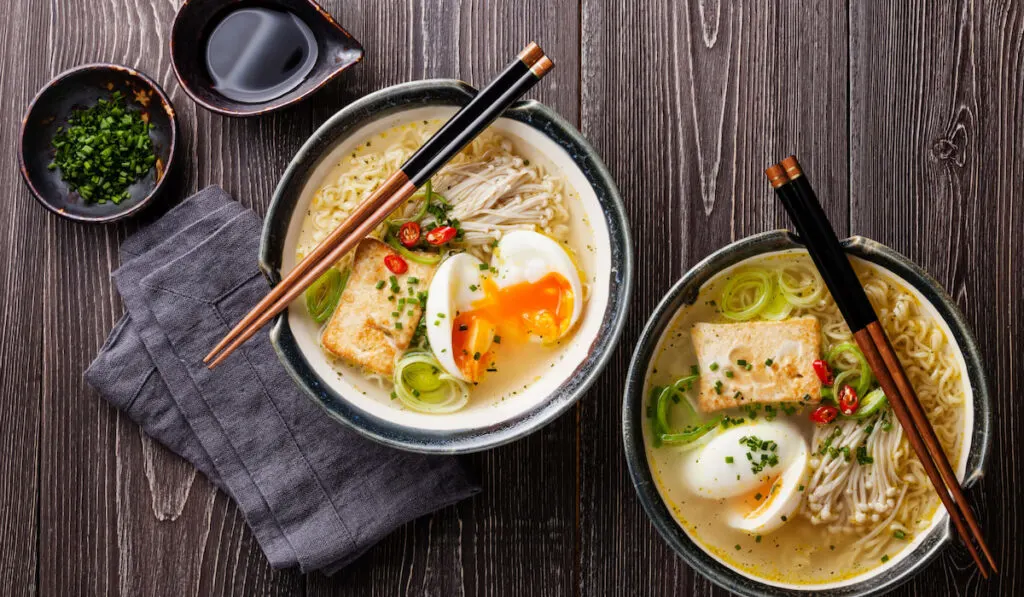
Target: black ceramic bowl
[
  {"x": 926, "y": 546},
  {"x": 81, "y": 87},
  {"x": 336, "y": 51},
  {"x": 539, "y": 133}
]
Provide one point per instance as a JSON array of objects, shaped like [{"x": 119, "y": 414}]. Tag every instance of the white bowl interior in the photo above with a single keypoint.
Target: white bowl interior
[
  {"x": 590, "y": 236},
  {"x": 960, "y": 465}
]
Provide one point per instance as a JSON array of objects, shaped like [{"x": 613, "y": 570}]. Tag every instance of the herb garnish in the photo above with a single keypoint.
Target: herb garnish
[{"x": 103, "y": 150}]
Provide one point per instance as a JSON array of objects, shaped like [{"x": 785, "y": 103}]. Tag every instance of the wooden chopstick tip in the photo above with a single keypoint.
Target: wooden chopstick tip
[
  {"x": 776, "y": 175},
  {"x": 542, "y": 66},
  {"x": 792, "y": 167},
  {"x": 531, "y": 54}
]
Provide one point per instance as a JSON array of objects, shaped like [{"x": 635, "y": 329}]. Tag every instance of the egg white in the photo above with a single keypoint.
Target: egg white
[
  {"x": 709, "y": 472},
  {"x": 450, "y": 293}
]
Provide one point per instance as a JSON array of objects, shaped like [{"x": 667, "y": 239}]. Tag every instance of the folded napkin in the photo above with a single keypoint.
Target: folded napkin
[{"x": 315, "y": 494}]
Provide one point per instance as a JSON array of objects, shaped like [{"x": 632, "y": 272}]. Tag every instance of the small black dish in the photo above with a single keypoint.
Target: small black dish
[
  {"x": 336, "y": 51},
  {"x": 79, "y": 88}
]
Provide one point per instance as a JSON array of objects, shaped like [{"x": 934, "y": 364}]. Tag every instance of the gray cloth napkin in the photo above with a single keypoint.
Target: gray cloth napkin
[{"x": 314, "y": 493}]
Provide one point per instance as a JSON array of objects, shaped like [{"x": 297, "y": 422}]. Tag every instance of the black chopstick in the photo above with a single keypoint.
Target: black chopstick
[{"x": 801, "y": 203}]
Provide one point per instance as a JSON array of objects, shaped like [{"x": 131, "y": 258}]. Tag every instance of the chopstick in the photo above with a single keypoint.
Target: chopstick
[
  {"x": 804, "y": 209},
  {"x": 518, "y": 77}
]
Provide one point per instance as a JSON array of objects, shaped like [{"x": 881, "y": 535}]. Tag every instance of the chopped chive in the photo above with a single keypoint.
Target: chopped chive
[
  {"x": 380, "y": 284},
  {"x": 768, "y": 363},
  {"x": 713, "y": 366},
  {"x": 729, "y": 460}
]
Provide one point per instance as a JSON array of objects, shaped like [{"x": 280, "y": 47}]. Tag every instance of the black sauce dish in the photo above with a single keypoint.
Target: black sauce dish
[
  {"x": 78, "y": 88},
  {"x": 334, "y": 50}
]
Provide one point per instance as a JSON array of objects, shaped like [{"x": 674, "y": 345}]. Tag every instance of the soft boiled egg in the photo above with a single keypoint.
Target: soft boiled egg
[
  {"x": 758, "y": 469},
  {"x": 531, "y": 292}
]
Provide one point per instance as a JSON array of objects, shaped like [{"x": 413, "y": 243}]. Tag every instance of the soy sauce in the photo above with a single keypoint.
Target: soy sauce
[{"x": 257, "y": 54}]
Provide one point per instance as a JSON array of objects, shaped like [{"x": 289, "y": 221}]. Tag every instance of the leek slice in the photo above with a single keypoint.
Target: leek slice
[
  {"x": 421, "y": 384},
  {"x": 869, "y": 404},
  {"x": 323, "y": 295},
  {"x": 747, "y": 294},
  {"x": 863, "y": 371},
  {"x": 801, "y": 285},
  {"x": 426, "y": 192},
  {"x": 662, "y": 399},
  {"x": 423, "y": 258}
]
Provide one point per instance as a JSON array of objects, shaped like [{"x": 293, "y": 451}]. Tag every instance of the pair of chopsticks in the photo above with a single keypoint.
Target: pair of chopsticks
[
  {"x": 517, "y": 78},
  {"x": 797, "y": 196}
]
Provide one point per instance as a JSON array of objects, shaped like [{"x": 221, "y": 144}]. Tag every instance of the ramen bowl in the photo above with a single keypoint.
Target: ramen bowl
[
  {"x": 701, "y": 551},
  {"x": 537, "y": 133}
]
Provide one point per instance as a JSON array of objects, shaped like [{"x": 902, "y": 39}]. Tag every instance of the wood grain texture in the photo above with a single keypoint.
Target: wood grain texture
[
  {"x": 907, "y": 116},
  {"x": 935, "y": 128}
]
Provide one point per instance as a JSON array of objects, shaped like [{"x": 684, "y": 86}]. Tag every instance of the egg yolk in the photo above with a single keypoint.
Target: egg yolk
[
  {"x": 513, "y": 314},
  {"x": 757, "y": 502}
]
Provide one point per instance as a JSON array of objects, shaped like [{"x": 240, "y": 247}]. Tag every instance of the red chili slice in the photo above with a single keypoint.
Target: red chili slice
[
  {"x": 824, "y": 372},
  {"x": 824, "y": 414},
  {"x": 409, "y": 234},
  {"x": 848, "y": 400},
  {"x": 440, "y": 235},
  {"x": 396, "y": 264}
]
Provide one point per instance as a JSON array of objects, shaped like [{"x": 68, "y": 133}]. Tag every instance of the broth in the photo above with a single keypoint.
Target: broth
[{"x": 799, "y": 552}]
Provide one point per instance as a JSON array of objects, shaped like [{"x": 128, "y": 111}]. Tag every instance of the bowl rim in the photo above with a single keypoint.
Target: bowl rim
[
  {"x": 684, "y": 291},
  {"x": 272, "y": 105},
  {"x": 158, "y": 186},
  {"x": 453, "y": 93}
]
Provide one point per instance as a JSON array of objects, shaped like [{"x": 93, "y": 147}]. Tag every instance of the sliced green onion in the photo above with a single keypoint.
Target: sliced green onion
[
  {"x": 691, "y": 435},
  {"x": 422, "y": 258},
  {"x": 661, "y": 398},
  {"x": 778, "y": 308},
  {"x": 869, "y": 404},
  {"x": 747, "y": 294},
  {"x": 427, "y": 191},
  {"x": 421, "y": 384},
  {"x": 804, "y": 289},
  {"x": 864, "y": 377},
  {"x": 322, "y": 297}
]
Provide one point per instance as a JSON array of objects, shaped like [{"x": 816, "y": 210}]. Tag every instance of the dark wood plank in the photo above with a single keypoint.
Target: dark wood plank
[
  {"x": 688, "y": 103},
  {"x": 21, "y": 309},
  {"x": 938, "y": 172}
]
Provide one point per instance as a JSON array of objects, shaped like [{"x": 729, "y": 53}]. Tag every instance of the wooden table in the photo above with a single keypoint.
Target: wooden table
[{"x": 909, "y": 120}]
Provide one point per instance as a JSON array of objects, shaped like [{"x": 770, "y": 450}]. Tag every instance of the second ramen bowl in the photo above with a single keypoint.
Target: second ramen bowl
[
  {"x": 925, "y": 545},
  {"x": 537, "y": 132}
]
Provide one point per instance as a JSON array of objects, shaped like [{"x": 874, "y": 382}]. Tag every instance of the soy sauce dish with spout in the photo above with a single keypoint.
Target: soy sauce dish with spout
[
  {"x": 773, "y": 497},
  {"x": 490, "y": 302},
  {"x": 246, "y": 58}
]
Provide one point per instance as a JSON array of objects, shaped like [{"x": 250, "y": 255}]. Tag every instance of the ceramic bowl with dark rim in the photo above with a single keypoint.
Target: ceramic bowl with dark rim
[
  {"x": 79, "y": 88},
  {"x": 537, "y": 133},
  {"x": 926, "y": 545},
  {"x": 336, "y": 51}
]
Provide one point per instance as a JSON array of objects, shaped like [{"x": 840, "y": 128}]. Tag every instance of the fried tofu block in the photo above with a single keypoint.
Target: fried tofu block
[
  {"x": 757, "y": 362},
  {"x": 363, "y": 329}
]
